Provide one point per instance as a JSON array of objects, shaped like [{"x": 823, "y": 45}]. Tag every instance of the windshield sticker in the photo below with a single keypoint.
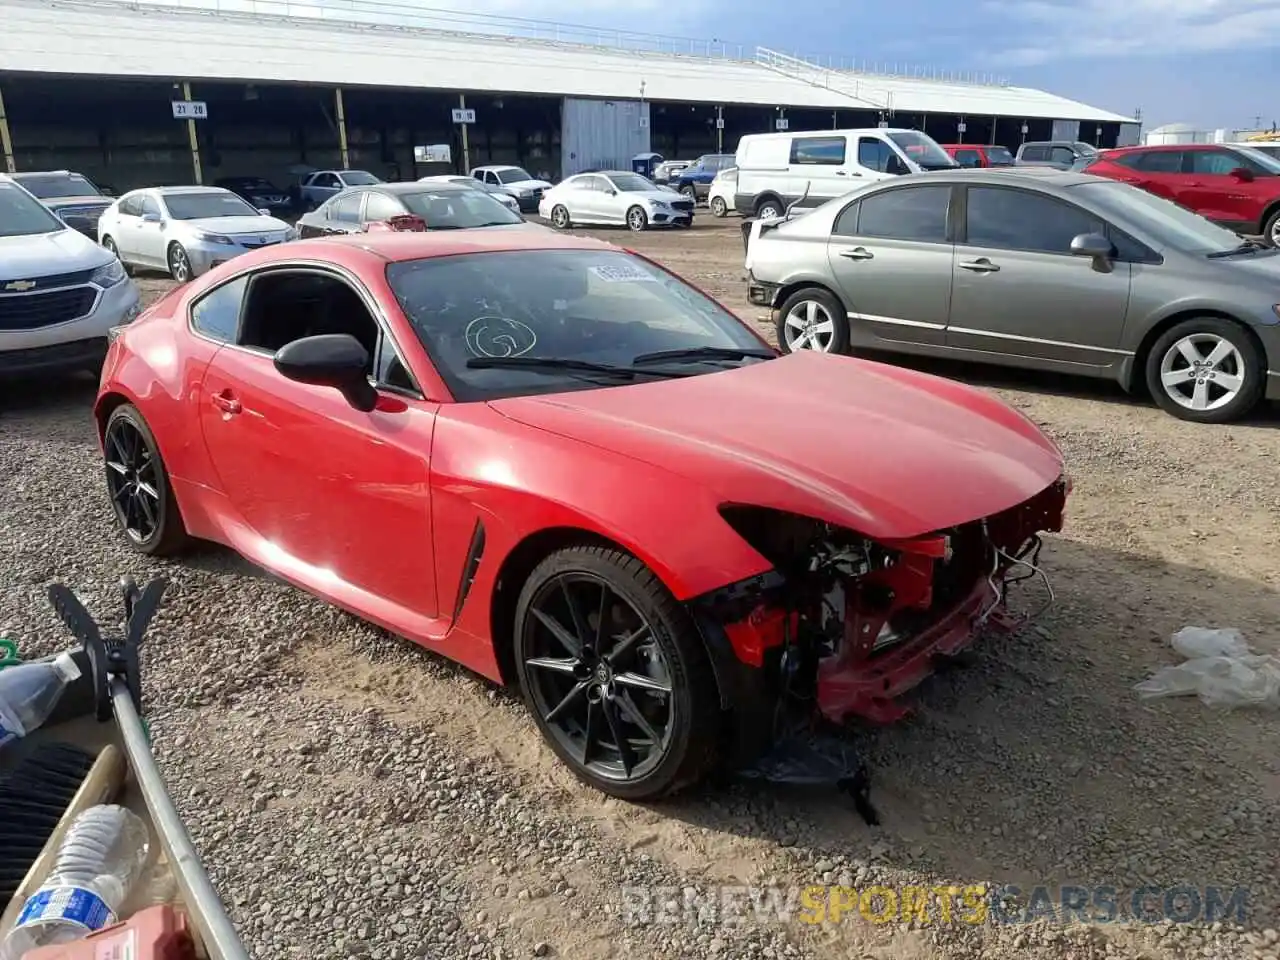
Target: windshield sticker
[
  {"x": 499, "y": 337},
  {"x": 621, "y": 273}
]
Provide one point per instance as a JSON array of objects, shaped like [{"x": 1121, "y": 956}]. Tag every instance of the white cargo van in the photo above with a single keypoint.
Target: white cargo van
[{"x": 774, "y": 168}]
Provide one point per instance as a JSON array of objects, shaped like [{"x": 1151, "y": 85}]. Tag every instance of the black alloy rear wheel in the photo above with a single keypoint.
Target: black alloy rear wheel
[{"x": 142, "y": 500}]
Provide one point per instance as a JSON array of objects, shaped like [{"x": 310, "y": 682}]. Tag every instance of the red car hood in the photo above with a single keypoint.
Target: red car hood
[{"x": 882, "y": 450}]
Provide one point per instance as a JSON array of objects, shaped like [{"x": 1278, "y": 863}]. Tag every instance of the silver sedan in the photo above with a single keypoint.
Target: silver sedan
[
  {"x": 186, "y": 230},
  {"x": 1032, "y": 268},
  {"x": 614, "y": 197}
]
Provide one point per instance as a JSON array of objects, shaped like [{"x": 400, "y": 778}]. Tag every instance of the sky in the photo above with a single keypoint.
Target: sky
[{"x": 1210, "y": 63}]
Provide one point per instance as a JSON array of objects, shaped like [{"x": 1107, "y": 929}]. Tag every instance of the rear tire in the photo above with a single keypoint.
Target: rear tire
[
  {"x": 1206, "y": 370},
  {"x": 769, "y": 208},
  {"x": 1271, "y": 229},
  {"x": 604, "y": 686},
  {"x": 718, "y": 207},
  {"x": 690, "y": 191},
  {"x": 142, "y": 501},
  {"x": 110, "y": 246},
  {"x": 813, "y": 319}
]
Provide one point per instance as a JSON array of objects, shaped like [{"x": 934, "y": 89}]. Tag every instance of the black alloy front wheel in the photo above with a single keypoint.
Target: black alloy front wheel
[{"x": 615, "y": 674}]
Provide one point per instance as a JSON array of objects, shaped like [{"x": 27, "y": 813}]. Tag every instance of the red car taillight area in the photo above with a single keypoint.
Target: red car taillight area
[{"x": 853, "y": 624}]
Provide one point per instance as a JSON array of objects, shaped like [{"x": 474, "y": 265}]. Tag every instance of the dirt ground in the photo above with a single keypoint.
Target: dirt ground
[{"x": 1035, "y": 765}]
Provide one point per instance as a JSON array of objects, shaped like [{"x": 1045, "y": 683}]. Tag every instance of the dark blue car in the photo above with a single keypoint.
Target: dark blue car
[{"x": 695, "y": 181}]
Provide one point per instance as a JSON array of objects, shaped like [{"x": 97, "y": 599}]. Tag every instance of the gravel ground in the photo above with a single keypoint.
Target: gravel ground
[{"x": 354, "y": 796}]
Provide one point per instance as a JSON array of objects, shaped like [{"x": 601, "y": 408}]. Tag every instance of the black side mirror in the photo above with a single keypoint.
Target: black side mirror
[
  {"x": 330, "y": 360},
  {"x": 1096, "y": 247},
  {"x": 896, "y": 167},
  {"x": 1243, "y": 174}
]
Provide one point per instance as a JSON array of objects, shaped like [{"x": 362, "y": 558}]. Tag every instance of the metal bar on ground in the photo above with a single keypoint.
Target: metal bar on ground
[
  {"x": 206, "y": 909},
  {"x": 191, "y": 136},
  {"x": 341, "y": 111}
]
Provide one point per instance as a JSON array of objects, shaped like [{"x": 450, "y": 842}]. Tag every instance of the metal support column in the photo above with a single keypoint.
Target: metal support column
[
  {"x": 6, "y": 141},
  {"x": 192, "y": 138},
  {"x": 719, "y": 129},
  {"x": 466, "y": 144},
  {"x": 835, "y": 119},
  {"x": 341, "y": 112},
  {"x": 994, "y": 122}
]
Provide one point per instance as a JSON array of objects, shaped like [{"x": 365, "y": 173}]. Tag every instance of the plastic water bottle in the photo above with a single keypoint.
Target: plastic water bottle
[
  {"x": 29, "y": 693},
  {"x": 100, "y": 860}
]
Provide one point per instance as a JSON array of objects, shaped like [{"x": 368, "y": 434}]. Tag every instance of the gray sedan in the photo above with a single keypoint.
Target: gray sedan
[{"x": 1031, "y": 268}]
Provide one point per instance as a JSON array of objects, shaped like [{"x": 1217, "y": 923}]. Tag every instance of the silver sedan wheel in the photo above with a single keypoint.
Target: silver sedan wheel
[
  {"x": 1275, "y": 232},
  {"x": 1202, "y": 371},
  {"x": 810, "y": 327}
]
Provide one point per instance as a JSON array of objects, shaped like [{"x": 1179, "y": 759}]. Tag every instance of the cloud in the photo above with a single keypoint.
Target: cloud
[{"x": 1049, "y": 30}]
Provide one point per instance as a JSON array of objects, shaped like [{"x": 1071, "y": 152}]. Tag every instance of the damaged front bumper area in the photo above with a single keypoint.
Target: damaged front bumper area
[{"x": 851, "y": 625}]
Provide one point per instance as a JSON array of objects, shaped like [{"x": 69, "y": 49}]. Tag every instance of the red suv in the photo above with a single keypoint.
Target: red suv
[
  {"x": 1234, "y": 186},
  {"x": 978, "y": 155}
]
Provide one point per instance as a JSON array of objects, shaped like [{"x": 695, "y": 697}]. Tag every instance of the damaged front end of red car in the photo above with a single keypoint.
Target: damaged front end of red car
[{"x": 849, "y": 625}]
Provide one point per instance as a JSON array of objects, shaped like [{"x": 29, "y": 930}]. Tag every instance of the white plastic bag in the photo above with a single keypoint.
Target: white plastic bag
[
  {"x": 1222, "y": 671},
  {"x": 1195, "y": 642}
]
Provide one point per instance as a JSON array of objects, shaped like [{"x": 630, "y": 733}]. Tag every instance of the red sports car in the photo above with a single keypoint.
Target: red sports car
[{"x": 559, "y": 464}]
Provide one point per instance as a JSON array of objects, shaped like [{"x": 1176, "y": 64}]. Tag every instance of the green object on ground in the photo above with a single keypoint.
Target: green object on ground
[{"x": 8, "y": 653}]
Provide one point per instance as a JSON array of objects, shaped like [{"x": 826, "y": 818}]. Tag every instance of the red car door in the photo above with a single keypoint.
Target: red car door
[
  {"x": 1213, "y": 192},
  {"x": 325, "y": 493}
]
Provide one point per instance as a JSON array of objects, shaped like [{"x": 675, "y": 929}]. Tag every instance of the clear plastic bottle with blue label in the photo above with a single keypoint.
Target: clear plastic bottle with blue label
[
  {"x": 99, "y": 862},
  {"x": 29, "y": 693}
]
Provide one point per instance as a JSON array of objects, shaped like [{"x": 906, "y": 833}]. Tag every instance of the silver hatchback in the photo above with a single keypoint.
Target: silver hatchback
[{"x": 1032, "y": 268}]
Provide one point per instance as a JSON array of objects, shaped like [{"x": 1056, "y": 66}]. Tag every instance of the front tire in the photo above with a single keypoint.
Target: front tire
[
  {"x": 179, "y": 264},
  {"x": 142, "y": 500},
  {"x": 718, "y": 207},
  {"x": 560, "y": 217},
  {"x": 637, "y": 219},
  {"x": 615, "y": 674},
  {"x": 813, "y": 319},
  {"x": 1206, "y": 370}
]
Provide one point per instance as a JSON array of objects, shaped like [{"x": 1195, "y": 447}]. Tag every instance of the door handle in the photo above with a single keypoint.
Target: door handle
[
  {"x": 858, "y": 253},
  {"x": 225, "y": 402},
  {"x": 981, "y": 265},
  {"x": 840, "y": 173}
]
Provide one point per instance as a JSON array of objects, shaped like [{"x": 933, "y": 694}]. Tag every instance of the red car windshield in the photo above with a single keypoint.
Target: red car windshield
[{"x": 560, "y": 312}]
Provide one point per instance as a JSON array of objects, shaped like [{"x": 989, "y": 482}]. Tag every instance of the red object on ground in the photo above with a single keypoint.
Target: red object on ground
[{"x": 156, "y": 933}]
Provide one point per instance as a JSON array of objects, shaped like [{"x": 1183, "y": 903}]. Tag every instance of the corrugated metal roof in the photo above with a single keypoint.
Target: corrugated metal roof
[{"x": 145, "y": 40}]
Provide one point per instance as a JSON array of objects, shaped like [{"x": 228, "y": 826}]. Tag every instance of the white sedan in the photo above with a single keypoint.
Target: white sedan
[
  {"x": 614, "y": 197},
  {"x": 186, "y": 230},
  {"x": 504, "y": 198}
]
